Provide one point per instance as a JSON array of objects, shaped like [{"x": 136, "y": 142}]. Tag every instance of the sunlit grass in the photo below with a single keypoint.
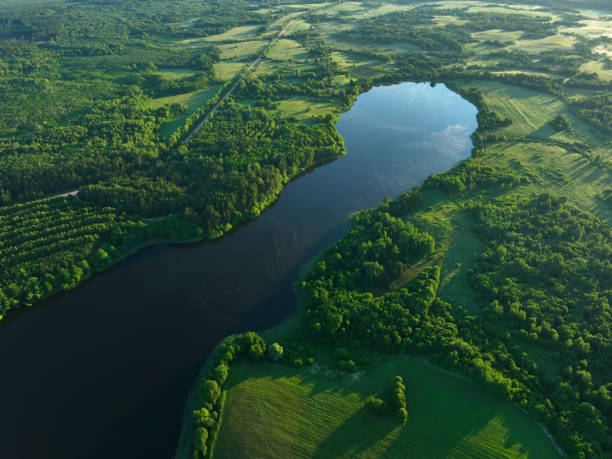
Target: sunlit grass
[{"x": 448, "y": 416}]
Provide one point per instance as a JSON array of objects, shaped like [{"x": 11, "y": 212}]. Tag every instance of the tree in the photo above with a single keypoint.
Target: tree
[
  {"x": 275, "y": 352},
  {"x": 221, "y": 373},
  {"x": 257, "y": 351},
  {"x": 210, "y": 391}
]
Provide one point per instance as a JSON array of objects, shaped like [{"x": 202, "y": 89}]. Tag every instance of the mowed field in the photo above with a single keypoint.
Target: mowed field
[{"x": 448, "y": 416}]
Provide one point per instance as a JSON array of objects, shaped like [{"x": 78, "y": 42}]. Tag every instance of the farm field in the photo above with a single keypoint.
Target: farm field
[{"x": 448, "y": 416}]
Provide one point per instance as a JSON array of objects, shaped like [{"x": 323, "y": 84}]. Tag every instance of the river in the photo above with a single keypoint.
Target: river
[{"x": 104, "y": 370}]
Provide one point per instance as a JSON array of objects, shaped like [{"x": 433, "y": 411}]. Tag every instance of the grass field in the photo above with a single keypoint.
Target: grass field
[
  {"x": 235, "y": 34},
  {"x": 531, "y": 112},
  {"x": 442, "y": 21},
  {"x": 297, "y": 26},
  {"x": 602, "y": 70},
  {"x": 193, "y": 101},
  {"x": 448, "y": 416},
  {"x": 285, "y": 49},
  {"x": 226, "y": 70},
  {"x": 496, "y": 34},
  {"x": 571, "y": 174},
  {"x": 593, "y": 28},
  {"x": 241, "y": 49},
  {"x": 174, "y": 74},
  {"x": 454, "y": 276},
  {"x": 552, "y": 43},
  {"x": 300, "y": 107}
]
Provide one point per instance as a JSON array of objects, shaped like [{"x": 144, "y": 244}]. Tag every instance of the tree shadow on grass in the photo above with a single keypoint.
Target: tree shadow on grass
[
  {"x": 355, "y": 435},
  {"x": 435, "y": 441},
  {"x": 441, "y": 423}
]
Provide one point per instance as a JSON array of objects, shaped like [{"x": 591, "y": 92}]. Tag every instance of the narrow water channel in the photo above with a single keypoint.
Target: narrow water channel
[{"x": 103, "y": 371}]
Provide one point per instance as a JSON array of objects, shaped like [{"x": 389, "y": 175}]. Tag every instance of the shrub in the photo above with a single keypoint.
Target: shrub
[
  {"x": 257, "y": 351},
  {"x": 221, "y": 373},
  {"x": 375, "y": 404},
  {"x": 275, "y": 352},
  {"x": 402, "y": 415},
  {"x": 199, "y": 443},
  {"x": 210, "y": 391}
]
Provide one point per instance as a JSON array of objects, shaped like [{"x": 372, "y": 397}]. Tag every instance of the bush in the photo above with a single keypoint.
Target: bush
[
  {"x": 402, "y": 415},
  {"x": 377, "y": 405},
  {"x": 221, "y": 373},
  {"x": 257, "y": 351},
  {"x": 275, "y": 352},
  {"x": 210, "y": 391},
  {"x": 204, "y": 418},
  {"x": 199, "y": 443}
]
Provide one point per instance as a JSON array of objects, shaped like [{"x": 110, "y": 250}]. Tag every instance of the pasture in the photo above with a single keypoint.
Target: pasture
[{"x": 448, "y": 415}]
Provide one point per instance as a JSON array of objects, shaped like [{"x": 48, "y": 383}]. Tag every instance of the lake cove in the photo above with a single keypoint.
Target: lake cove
[{"x": 116, "y": 357}]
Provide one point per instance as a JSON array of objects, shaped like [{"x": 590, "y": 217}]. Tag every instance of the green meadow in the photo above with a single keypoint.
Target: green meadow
[
  {"x": 448, "y": 416},
  {"x": 193, "y": 101}
]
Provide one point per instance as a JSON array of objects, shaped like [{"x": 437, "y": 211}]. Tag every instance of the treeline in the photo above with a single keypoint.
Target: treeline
[
  {"x": 230, "y": 171},
  {"x": 533, "y": 26},
  {"x": 596, "y": 109},
  {"x": 204, "y": 421},
  {"x": 52, "y": 245}
]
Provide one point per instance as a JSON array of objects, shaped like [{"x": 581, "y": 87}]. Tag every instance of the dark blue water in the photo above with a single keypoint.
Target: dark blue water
[{"x": 104, "y": 370}]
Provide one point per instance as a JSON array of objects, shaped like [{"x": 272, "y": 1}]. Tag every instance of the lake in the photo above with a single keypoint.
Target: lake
[{"x": 104, "y": 370}]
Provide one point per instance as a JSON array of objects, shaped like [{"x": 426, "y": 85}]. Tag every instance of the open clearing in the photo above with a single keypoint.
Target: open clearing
[
  {"x": 174, "y": 74},
  {"x": 552, "y": 43},
  {"x": 448, "y": 416},
  {"x": 300, "y": 107},
  {"x": 571, "y": 174},
  {"x": 241, "y": 49},
  {"x": 193, "y": 101},
  {"x": 285, "y": 49},
  {"x": 531, "y": 112},
  {"x": 235, "y": 34},
  {"x": 602, "y": 69},
  {"x": 226, "y": 70}
]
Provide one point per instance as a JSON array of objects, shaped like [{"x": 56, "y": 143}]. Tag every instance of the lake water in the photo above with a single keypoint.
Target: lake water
[{"x": 104, "y": 370}]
